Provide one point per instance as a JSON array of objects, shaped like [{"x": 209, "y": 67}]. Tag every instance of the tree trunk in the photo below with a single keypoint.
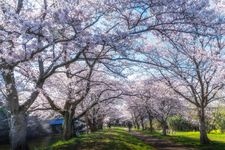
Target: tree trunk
[
  {"x": 150, "y": 119},
  {"x": 138, "y": 126},
  {"x": 18, "y": 124},
  {"x": 164, "y": 128},
  {"x": 133, "y": 121},
  {"x": 18, "y": 131},
  {"x": 100, "y": 124},
  {"x": 93, "y": 125},
  {"x": 202, "y": 127},
  {"x": 93, "y": 128},
  {"x": 67, "y": 126},
  {"x": 142, "y": 124},
  {"x": 136, "y": 123},
  {"x": 150, "y": 125},
  {"x": 87, "y": 121}
]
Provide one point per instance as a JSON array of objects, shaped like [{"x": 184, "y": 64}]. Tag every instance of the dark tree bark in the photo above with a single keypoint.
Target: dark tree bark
[
  {"x": 136, "y": 122},
  {"x": 133, "y": 121},
  {"x": 67, "y": 125},
  {"x": 142, "y": 124},
  {"x": 164, "y": 128},
  {"x": 138, "y": 126},
  {"x": 150, "y": 124},
  {"x": 150, "y": 119},
  {"x": 17, "y": 119},
  {"x": 202, "y": 127},
  {"x": 93, "y": 126},
  {"x": 19, "y": 6},
  {"x": 18, "y": 131},
  {"x": 90, "y": 123}
]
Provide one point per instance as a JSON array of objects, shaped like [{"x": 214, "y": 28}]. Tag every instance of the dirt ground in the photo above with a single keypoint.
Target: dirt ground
[{"x": 159, "y": 144}]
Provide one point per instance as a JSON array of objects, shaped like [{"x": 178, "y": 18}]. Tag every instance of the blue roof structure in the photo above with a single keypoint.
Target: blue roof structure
[{"x": 56, "y": 121}]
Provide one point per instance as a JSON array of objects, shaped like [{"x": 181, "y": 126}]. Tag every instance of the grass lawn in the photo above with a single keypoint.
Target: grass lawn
[
  {"x": 192, "y": 139},
  {"x": 108, "y": 139}
]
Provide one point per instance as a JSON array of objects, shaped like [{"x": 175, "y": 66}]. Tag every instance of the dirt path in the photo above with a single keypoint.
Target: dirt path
[{"x": 159, "y": 144}]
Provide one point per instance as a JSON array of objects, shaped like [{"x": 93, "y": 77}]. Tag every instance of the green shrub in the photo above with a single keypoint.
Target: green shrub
[
  {"x": 178, "y": 123},
  {"x": 219, "y": 119}
]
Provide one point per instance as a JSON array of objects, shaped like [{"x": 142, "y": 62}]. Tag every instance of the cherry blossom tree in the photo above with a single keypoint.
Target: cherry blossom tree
[
  {"x": 191, "y": 69},
  {"x": 166, "y": 17},
  {"x": 154, "y": 100},
  {"x": 165, "y": 104},
  {"x": 74, "y": 93},
  {"x": 33, "y": 37},
  {"x": 107, "y": 98},
  {"x": 39, "y": 38}
]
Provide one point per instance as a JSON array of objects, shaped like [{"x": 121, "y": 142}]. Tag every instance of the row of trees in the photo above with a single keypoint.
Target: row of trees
[
  {"x": 59, "y": 50},
  {"x": 53, "y": 48},
  {"x": 153, "y": 101},
  {"x": 193, "y": 68}
]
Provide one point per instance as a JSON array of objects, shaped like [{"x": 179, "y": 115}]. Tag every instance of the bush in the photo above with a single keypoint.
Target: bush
[
  {"x": 219, "y": 119},
  {"x": 178, "y": 123}
]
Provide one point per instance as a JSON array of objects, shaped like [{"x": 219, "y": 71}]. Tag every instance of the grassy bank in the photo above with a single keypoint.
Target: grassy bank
[
  {"x": 108, "y": 139},
  {"x": 192, "y": 139}
]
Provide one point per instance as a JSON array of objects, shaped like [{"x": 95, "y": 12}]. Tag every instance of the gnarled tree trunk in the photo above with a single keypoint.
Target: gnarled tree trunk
[
  {"x": 18, "y": 131},
  {"x": 68, "y": 125},
  {"x": 18, "y": 124},
  {"x": 202, "y": 127}
]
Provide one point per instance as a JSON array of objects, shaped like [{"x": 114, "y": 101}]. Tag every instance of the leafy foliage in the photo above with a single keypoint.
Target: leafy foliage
[{"x": 178, "y": 123}]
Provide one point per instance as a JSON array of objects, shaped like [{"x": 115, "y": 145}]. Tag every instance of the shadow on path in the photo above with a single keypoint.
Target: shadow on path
[{"x": 159, "y": 144}]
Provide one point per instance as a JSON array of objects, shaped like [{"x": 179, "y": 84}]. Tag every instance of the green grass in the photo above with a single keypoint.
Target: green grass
[
  {"x": 108, "y": 139},
  {"x": 192, "y": 139}
]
